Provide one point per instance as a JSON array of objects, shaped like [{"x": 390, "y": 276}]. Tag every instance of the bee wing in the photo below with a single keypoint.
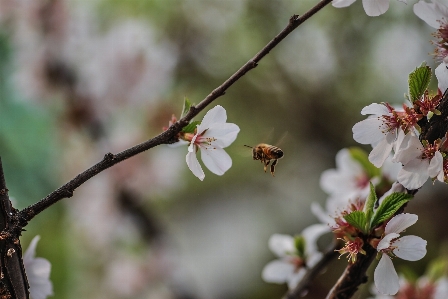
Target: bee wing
[{"x": 282, "y": 139}]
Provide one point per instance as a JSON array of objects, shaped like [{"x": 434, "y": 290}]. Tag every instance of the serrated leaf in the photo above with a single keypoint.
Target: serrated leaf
[
  {"x": 186, "y": 107},
  {"x": 368, "y": 207},
  {"x": 389, "y": 206},
  {"x": 357, "y": 219},
  {"x": 418, "y": 82},
  {"x": 191, "y": 127},
  {"x": 362, "y": 158}
]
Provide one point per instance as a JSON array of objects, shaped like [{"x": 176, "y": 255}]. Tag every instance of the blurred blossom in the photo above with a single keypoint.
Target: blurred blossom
[
  {"x": 423, "y": 288},
  {"x": 348, "y": 181},
  {"x": 296, "y": 255},
  {"x": 127, "y": 66},
  {"x": 38, "y": 272},
  {"x": 373, "y": 8}
]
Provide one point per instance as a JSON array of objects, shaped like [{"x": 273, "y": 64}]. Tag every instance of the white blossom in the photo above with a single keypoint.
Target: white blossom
[
  {"x": 411, "y": 248},
  {"x": 38, "y": 272},
  {"x": 212, "y": 135},
  {"x": 419, "y": 163},
  {"x": 381, "y": 131}
]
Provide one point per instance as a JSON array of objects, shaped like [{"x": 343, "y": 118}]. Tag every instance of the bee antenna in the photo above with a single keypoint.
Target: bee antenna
[{"x": 247, "y": 146}]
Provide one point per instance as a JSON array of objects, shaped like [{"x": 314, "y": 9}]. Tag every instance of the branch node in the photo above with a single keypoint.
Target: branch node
[
  {"x": 4, "y": 191},
  {"x": 294, "y": 19},
  {"x": 109, "y": 157}
]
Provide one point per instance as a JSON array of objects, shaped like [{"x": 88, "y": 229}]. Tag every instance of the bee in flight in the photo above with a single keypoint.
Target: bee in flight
[{"x": 265, "y": 153}]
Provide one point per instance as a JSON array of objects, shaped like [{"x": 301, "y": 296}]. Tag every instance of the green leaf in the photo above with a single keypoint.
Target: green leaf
[
  {"x": 419, "y": 81},
  {"x": 186, "y": 107},
  {"x": 362, "y": 158},
  {"x": 357, "y": 219},
  {"x": 299, "y": 243},
  {"x": 389, "y": 206},
  {"x": 191, "y": 127},
  {"x": 368, "y": 207}
]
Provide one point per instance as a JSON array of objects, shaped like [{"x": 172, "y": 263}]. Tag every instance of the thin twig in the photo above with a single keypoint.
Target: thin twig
[{"x": 169, "y": 135}]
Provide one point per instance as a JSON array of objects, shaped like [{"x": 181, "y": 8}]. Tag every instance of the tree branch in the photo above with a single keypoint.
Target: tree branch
[{"x": 169, "y": 136}]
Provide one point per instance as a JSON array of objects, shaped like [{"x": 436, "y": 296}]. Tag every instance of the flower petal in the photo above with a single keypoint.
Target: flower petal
[
  {"x": 342, "y": 3},
  {"x": 38, "y": 272},
  {"x": 414, "y": 174},
  {"x": 369, "y": 131},
  {"x": 436, "y": 165},
  {"x": 311, "y": 234},
  {"x": 216, "y": 160},
  {"x": 385, "y": 276},
  {"x": 400, "y": 222},
  {"x": 375, "y": 8},
  {"x": 386, "y": 241},
  {"x": 431, "y": 13},
  {"x": 323, "y": 216},
  {"x": 375, "y": 109},
  {"x": 442, "y": 76},
  {"x": 410, "y": 248},
  {"x": 216, "y": 115},
  {"x": 224, "y": 134},
  {"x": 409, "y": 148},
  {"x": 380, "y": 153},
  {"x": 441, "y": 291},
  {"x": 194, "y": 166},
  {"x": 277, "y": 271},
  {"x": 295, "y": 278},
  {"x": 281, "y": 245}
]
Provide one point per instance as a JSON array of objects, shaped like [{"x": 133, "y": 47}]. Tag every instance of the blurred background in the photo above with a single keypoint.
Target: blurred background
[{"x": 80, "y": 78}]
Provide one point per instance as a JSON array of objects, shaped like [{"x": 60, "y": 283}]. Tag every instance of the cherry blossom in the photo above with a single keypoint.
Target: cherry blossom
[
  {"x": 293, "y": 262},
  {"x": 37, "y": 272},
  {"x": 411, "y": 248},
  {"x": 381, "y": 131},
  {"x": 211, "y": 136},
  {"x": 373, "y": 8},
  {"x": 420, "y": 163}
]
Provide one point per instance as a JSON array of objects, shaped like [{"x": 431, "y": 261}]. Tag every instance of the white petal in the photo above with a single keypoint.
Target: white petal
[
  {"x": 311, "y": 234},
  {"x": 277, "y": 271},
  {"x": 281, "y": 245},
  {"x": 400, "y": 222},
  {"x": 369, "y": 131},
  {"x": 442, "y": 76},
  {"x": 38, "y": 272},
  {"x": 216, "y": 160},
  {"x": 409, "y": 149},
  {"x": 224, "y": 134},
  {"x": 441, "y": 291},
  {"x": 215, "y": 115},
  {"x": 385, "y": 242},
  {"x": 410, "y": 248},
  {"x": 323, "y": 216},
  {"x": 375, "y": 109},
  {"x": 194, "y": 166},
  {"x": 385, "y": 276},
  {"x": 436, "y": 165},
  {"x": 342, "y": 3},
  {"x": 375, "y": 8},
  {"x": 380, "y": 153},
  {"x": 414, "y": 174},
  {"x": 295, "y": 278},
  {"x": 431, "y": 13}
]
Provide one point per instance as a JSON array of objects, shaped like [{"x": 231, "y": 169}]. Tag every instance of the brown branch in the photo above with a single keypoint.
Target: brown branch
[
  {"x": 168, "y": 136},
  {"x": 312, "y": 273}
]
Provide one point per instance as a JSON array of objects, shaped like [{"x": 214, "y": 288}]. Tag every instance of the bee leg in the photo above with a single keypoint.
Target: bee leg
[
  {"x": 273, "y": 167},
  {"x": 266, "y": 163}
]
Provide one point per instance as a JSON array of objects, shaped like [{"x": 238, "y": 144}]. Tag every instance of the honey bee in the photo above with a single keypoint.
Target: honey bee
[{"x": 265, "y": 153}]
